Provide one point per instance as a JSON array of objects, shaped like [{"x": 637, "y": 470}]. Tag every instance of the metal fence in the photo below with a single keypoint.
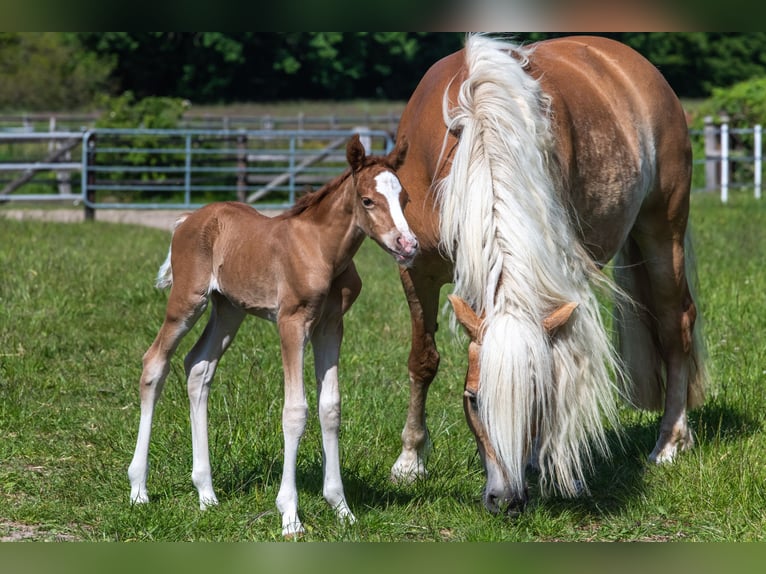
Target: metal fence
[
  {"x": 187, "y": 168},
  {"x": 179, "y": 169}
]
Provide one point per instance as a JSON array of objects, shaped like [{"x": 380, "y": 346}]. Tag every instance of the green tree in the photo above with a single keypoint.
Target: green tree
[{"x": 49, "y": 71}]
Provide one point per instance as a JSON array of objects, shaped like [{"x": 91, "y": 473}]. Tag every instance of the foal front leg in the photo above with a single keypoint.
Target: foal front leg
[
  {"x": 326, "y": 342},
  {"x": 293, "y": 334}
]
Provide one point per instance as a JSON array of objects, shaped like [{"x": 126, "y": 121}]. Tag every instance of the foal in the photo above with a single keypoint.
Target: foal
[{"x": 295, "y": 269}]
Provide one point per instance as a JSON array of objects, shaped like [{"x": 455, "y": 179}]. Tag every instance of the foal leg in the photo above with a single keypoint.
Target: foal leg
[
  {"x": 422, "y": 291},
  {"x": 181, "y": 315},
  {"x": 293, "y": 332},
  {"x": 326, "y": 341},
  {"x": 200, "y": 365}
]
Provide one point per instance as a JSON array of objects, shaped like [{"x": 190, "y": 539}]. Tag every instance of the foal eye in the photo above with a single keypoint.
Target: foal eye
[{"x": 367, "y": 202}]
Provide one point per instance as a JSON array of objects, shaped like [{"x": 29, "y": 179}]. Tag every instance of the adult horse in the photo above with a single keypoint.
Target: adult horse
[{"x": 530, "y": 168}]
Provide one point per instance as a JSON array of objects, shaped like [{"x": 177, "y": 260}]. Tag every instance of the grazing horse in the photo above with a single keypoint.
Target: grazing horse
[
  {"x": 295, "y": 269},
  {"x": 529, "y": 169}
]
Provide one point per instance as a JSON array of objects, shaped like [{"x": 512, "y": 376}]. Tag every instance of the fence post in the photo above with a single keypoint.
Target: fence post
[
  {"x": 758, "y": 155},
  {"x": 711, "y": 154},
  {"x": 724, "y": 160},
  {"x": 90, "y": 177},
  {"x": 242, "y": 167}
]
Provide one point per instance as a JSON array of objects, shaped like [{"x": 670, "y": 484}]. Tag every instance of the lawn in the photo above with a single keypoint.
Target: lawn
[{"x": 78, "y": 309}]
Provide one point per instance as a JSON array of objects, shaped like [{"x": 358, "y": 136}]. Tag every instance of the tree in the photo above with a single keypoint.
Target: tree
[{"x": 49, "y": 71}]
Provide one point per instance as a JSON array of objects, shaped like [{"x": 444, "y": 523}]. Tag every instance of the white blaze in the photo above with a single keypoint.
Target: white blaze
[{"x": 387, "y": 185}]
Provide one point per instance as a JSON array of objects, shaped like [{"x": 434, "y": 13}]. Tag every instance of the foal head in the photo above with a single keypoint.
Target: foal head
[
  {"x": 497, "y": 494},
  {"x": 381, "y": 199}
]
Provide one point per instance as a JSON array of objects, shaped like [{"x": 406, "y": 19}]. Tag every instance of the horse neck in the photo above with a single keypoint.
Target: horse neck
[{"x": 334, "y": 223}]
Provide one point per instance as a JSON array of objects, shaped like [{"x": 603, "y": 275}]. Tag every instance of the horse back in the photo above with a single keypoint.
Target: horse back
[{"x": 619, "y": 134}]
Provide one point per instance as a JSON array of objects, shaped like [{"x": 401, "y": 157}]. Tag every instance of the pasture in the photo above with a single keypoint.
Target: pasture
[{"x": 78, "y": 309}]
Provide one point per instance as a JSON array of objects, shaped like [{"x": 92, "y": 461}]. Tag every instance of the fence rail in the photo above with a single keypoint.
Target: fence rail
[{"x": 186, "y": 168}]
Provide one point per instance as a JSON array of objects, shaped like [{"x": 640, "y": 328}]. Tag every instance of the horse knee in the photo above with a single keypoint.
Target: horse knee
[
  {"x": 294, "y": 420},
  {"x": 329, "y": 413},
  {"x": 423, "y": 363}
]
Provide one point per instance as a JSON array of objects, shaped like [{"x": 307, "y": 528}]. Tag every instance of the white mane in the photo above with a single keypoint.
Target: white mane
[{"x": 517, "y": 258}]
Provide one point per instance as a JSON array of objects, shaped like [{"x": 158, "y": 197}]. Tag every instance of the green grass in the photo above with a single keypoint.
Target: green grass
[{"x": 78, "y": 309}]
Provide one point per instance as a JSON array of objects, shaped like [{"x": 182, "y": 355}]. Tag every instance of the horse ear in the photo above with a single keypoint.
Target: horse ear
[
  {"x": 355, "y": 153},
  {"x": 470, "y": 321},
  {"x": 558, "y": 318},
  {"x": 396, "y": 156}
]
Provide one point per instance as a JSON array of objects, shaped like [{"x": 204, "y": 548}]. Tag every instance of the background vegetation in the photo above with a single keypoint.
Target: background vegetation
[
  {"x": 65, "y": 70},
  {"x": 78, "y": 309}
]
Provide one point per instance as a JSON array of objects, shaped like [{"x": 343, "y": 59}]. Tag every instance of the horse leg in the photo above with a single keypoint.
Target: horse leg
[
  {"x": 668, "y": 317},
  {"x": 200, "y": 365},
  {"x": 326, "y": 341},
  {"x": 181, "y": 315},
  {"x": 422, "y": 292},
  {"x": 293, "y": 333}
]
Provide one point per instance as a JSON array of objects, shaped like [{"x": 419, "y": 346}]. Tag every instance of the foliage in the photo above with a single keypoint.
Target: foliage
[
  {"x": 78, "y": 309},
  {"x": 743, "y": 103},
  {"x": 151, "y": 112},
  {"x": 50, "y": 71},
  {"x": 62, "y": 70}
]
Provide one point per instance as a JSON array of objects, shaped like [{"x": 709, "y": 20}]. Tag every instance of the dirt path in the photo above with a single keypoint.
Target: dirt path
[{"x": 158, "y": 218}]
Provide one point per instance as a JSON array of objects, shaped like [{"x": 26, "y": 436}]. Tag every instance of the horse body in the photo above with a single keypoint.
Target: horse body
[
  {"x": 528, "y": 170},
  {"x": 295, "y": 269}
]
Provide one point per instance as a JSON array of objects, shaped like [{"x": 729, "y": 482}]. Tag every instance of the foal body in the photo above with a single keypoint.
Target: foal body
[{"x": 295, "y": 269}]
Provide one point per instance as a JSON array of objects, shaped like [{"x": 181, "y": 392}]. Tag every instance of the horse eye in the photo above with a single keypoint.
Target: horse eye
[
  {"x": 471, "y": 396},
  {"x": 367, "y": 202}
]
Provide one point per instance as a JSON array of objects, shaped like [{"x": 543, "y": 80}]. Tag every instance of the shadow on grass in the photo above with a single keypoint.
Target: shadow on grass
[
  {"x": 619, "y": 480},
  {"x": 615, "y": 483}
]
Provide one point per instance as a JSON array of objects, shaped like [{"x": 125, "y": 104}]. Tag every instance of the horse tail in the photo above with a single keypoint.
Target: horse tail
[
  {"x": 165, "y": 273},
  {"x": 517, "y": 258},
  {"x": 637, "y": 336}
]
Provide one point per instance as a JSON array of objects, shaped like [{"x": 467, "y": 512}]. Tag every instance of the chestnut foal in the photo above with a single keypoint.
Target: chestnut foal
[{"x": 295, "y": 269}]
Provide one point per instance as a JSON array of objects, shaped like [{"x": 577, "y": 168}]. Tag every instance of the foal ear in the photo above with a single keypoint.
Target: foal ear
[
  {"x": 467, "y": 317},
  {"x": 558, "y": 318},
  {"x": 396, "y": 156},
  {"x": 355, "y": 153}
]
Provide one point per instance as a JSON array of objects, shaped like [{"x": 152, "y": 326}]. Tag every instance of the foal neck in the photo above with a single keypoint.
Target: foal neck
[{"x": 332, "y": 214}]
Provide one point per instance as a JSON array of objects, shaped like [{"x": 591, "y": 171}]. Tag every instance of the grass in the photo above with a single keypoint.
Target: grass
[{"x": 78, "y": 309}]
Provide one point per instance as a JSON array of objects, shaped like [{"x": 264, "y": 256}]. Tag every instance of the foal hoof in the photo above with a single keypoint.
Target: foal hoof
[{"x": 293, "y": 531}]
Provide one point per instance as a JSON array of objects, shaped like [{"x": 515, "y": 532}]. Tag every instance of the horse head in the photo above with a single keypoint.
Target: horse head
[
  {"x": 497, "y": 495},
  {"x": 382, "y": 198}
]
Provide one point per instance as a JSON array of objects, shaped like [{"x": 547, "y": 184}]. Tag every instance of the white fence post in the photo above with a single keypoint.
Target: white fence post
[
  {"x": 758, "y": 156},
  {"x": 724, "y": 162},
  {"x": 712, "y": 141}
]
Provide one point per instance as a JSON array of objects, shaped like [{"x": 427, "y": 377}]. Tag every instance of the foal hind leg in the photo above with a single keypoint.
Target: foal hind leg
[
  {"x": 326, "y": 341},
  {"x": 200, "y": 365},
  {"x": 181, "y": 315}
]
